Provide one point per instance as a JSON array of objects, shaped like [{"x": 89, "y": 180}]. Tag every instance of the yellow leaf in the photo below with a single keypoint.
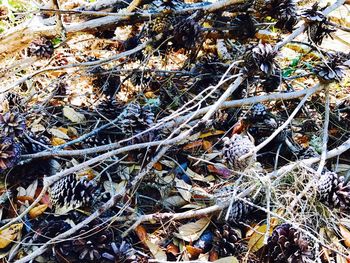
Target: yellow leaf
[
  {"x": 192, "y": 231},
  {"x": 57, "y": 141},
  {"x": 37, "y": 211},
  {"x": 72, "y": 115},
  {"x": 213, "y": 133},
  {"x": 227, "y": 260},
  {"x": 9, "y": 234},
  {"x": 345, "y": 234},
  {"x": 256, "y": 241}
]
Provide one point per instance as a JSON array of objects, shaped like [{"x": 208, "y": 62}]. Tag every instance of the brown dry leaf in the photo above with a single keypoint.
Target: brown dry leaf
[
  {"x": 37, "y": 211},
  {"x": 194, "y": 252},
  {"x": 158, "y": 166},
  {"x": 9, "y": 234},
  {"x": 345, "y": 234},
  {"x": 192, "y": 145},
  {"x": 207, "y": 146},
  {"x": 141, "y": 233},
  {"x": 173, "y": 249},
  {"x": 55, "y": 141},
  {"x": 192, "y": 231},
  {"x": 184, "y": 189},
  {"x": 72, "y": 115},
  {"x": 231, "y": 259}
]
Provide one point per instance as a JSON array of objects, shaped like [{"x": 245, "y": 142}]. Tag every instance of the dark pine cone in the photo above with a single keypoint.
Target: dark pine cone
[
  {"x": 332, "y": 70},
  {"x": 121, "y": 253},
  {"x": 317, "y": 31},
  {"x": 314, "y": 14},
  {"x": 136, "y": 118},
  {"x": 272, "y": 82},
  {"x": 109, "y": 109},
  {"x": 107, "y": 84},
  {"x": 264, "y": 57},
  {"x": 227, "y": 240},
  {"x": 286, "y": 244},
  {"x": 333, "y": 190},
  {"x": 239, "y": 211},
  {"x": 49, "y": 229},
  {"x": 12, "y": 124},
  {"x": 88, "y": 244},
  {"x": 243, "y": 27},
  {"x": 72, "y": 192},
  {"x": 234, "y": 148},
  {"x": 186, "y": 34},
  {"x": 32, "y": 143},
  {"x": 42, "y": 48},
  {"x": 285, "y": 11},
  {"x": 10, "y": 152}
]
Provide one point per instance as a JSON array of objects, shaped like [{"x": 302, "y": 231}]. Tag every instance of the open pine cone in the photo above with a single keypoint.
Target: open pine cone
[
  {"x": 235, "y": 147},
  {"x": 186, "y": 33},
  {"x": 12, "y": 124},
  {"x": 286, "y": 244},
  {"x": 41, "y": 48},
  {"x": 264, "y": 57},
  {"x": 226, "y": 240},
  {"x": 331, "y": 70},
  {"x": 10, "y": 152},
  {"x": 333, "y": 190},
  {"x": 72, "y": 192},
  {"x": 91, "y": 242}
]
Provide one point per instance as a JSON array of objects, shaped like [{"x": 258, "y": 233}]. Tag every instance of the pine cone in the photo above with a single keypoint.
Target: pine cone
[
  {"x": 333, "y": 190},
  {"x": 260, "y": 58},
  {"x": 258, "y": 112},
  {"x": 49, "y": 229},
  {"x": 42, "y": 48},
  {"x": 162, "y": 24},
  {"x": 332, "y": 70},
  {"x": 110, "y": 109},
  {"x": 107, "y": 84},
  {"x": 91, "y": 242},
  {"x": 243, "y": 27},
  {"x": 135, "y": 118},
  {"x": 10, "y": 152},
  {"x": 286, "y": 244},
  {"x": 226, "y": 240},
  {"x": 121, "y": 252},
  {"x": 271, "y": 83},
  {"x": 236, "y": 147},
  {"x": 285, "y": 11},
  {"x": 313, "y": 14},
  {"x": 239, "y": 211},
  {"x": 317, "y": 31},
  {"x": 186, "y": 33},
  {"x": 34, "y": 143},
  {"x": 12, "y": 124},
  {"x": 72, "y": 192}
]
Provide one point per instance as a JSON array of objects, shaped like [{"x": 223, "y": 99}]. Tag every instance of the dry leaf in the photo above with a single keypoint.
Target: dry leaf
[
  {"x": 72, "y": 115},
  {"x": 173, "y": 249},
  {"x": 55, "y": 141},
  {"x": 184, "y": 189},
  {"x": 192, "y": 145},
  {"x": 213, "y": 133},
  {"x": 156, "y": 251},
  {"x": 256, "y": 240},
  {"x": 193, "y": 251},
  {"x": 141, "y": 233},
  {"x": 227, "y": 260},
  {"x": 37, "y": 211},
  {"x": 9, "y": 234},
  {"x": 35, "y": 128},
  {"x": 158, "y": 166},
  {"x": 192, "y": 231},
  {"x": 58, "y": 133},
  {"x": 207, "y": 146},
  {"x": 345, "y": 234}
]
